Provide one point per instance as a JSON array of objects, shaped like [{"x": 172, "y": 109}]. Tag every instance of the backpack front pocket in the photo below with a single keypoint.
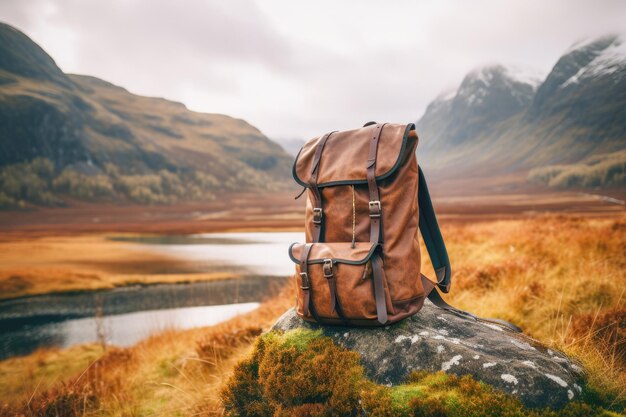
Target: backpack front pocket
[{"x": 339, "y": 282}]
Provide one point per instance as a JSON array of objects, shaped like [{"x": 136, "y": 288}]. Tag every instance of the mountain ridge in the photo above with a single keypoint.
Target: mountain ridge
[{"x": 142, "y": 149}]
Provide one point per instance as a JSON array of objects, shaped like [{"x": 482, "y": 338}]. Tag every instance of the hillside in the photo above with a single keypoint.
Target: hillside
[
  {"x": 503, "y": 122},
  {"x": 72, "y": 136}
]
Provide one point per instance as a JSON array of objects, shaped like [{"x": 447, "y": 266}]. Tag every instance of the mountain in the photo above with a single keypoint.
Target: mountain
[
  {"x": 503, "y": 122},
  {"x": 486, "y": 97},
  {"x": 73, "y": 136}
]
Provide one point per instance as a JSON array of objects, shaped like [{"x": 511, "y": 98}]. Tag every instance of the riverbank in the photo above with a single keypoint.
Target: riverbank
[
  {"x": 42, "y": 265},
  {"x": 560, "y": 277}
]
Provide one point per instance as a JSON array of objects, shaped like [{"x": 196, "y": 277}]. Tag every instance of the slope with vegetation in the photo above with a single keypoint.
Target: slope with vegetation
[{"x": 75, "y": 136}]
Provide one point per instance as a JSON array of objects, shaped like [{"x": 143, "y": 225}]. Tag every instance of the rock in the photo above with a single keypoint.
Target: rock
[{"x": 438, "y": 340}]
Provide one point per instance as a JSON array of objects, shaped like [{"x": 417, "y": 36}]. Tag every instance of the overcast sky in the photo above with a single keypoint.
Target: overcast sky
[{"x": 296, "y": 69}]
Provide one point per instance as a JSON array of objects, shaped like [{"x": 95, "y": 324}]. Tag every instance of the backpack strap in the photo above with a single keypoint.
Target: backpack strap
[
  {"x": 379, "y": 288},
  {"x": 318, "y": 215},
  {"x": 335, "y": 305},
  {"x": 439, "y": 257},
  {"x": 432, "y": 235},
  {"x": 306, "y": 283},
  {"x": 375, "y": 208}
]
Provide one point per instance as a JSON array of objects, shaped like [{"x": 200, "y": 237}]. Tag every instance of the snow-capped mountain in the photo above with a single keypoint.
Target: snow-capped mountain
[
  {"x": 486, "y": 96},
  {"x": 593, "y": 58},
  {"x": 589, "y": 71},
  {"x": 504, "y": 120}
]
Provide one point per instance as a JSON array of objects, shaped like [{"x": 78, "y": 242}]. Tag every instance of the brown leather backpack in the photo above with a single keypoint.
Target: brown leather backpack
[{"x": 367, "y": 198}]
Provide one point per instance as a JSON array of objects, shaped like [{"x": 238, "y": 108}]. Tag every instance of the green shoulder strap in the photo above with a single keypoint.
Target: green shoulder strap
[
  {"x": 432, "y": 235},
  {"x": 436, "y": 247}
]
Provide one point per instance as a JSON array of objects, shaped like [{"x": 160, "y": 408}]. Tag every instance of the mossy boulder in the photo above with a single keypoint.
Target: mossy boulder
[
  {"x": 435, "y": 340},
  {"x": 301, "y": 372}
]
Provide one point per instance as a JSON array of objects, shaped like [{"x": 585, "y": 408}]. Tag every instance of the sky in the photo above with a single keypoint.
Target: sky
[{"x": 297, "y": 69}]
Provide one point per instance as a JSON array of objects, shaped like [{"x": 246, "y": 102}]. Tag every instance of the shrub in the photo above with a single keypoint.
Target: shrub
[
  {"x": 83, "y": 186},
  {"x": 609, "y": 170},
  {"x": 28, "y": 181},
  {"x": 296, "y": 373}
]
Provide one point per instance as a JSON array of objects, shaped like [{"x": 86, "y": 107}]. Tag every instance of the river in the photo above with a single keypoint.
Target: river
[{"x": 126, "y": 315}]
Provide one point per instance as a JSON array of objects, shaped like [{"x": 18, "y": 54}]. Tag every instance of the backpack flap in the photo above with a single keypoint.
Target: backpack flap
[
  {"x": 346, "y": 153},
  {"x": 339, "y": 252}
]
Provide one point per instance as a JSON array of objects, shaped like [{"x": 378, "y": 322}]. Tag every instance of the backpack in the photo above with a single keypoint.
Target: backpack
[{"x": 366, "y": 200}]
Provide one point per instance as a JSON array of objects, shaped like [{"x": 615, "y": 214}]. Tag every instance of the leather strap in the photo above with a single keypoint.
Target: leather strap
[
  {"x": 330, "y": 278},
  {"x": 379, "y": 288},
  {"x": 318, "y": 214},
  {"x": 304, "y": 277},
  {"x": 335, "y": 305},
  {"x": 375, "y": 208},
  {"x": 437, "y": 300},
  {"x": 307, "y": 289}
]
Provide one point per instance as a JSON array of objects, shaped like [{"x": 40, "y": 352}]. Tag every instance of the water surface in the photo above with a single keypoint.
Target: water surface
[{"x": 254, "y": 253}]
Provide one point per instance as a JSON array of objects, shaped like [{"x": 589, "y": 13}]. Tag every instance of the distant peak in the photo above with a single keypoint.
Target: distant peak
[
  {"x": 608, "y": 39},
  {"x": 485, "y": 73},
  {"x": 596, "y": 57},
  {"x": 524, "y": 75}
]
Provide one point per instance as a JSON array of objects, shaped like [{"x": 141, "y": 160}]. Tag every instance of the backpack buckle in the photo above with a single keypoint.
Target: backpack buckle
[
  {"x": 317, "y": 215},
  {"x": 328, "y": 268},
  {"x": 305, "y": 280},
  {"x": 375, "y": 209}
]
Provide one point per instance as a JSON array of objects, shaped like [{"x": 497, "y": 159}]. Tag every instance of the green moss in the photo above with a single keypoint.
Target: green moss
[
  {"x": 401, "y": 395},
  {"x": 302, "y": 373},
  {"x": 299, "y": 338}
]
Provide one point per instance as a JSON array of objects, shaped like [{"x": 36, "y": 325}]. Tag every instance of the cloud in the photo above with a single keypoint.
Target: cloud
[{"x": 296, "y": 69}]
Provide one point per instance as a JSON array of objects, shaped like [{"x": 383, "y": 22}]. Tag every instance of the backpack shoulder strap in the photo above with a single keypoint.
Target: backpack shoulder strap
[
  {"x": 438, "y": 253},
  {"x": 432, "y": 235}
]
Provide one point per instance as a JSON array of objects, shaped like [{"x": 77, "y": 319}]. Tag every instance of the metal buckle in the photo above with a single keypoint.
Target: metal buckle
[
  {"x": 317, "y": 215},
  {"x": 328, "y": 268},
  {"x": 375, "y": 208},
  {"x": 305, "y": 280}
]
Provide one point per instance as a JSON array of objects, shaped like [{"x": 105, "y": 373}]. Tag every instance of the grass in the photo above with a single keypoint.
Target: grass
[
  {"x": 44, "y": 368},
  {"x": 561, "y": 278}
]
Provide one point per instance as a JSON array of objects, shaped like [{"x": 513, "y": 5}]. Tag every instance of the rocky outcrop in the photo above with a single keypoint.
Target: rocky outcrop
[{"x": 438, "y": 340}]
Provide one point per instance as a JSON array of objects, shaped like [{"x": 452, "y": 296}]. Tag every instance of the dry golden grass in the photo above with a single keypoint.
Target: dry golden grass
[
  {"x": 31, "y": 266},
  {"x": 171, "y": 373},
  {"x": 28, "y": 375},
  {"x": 561, "y": 278},
  {"x": 553, "y": 276}
]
